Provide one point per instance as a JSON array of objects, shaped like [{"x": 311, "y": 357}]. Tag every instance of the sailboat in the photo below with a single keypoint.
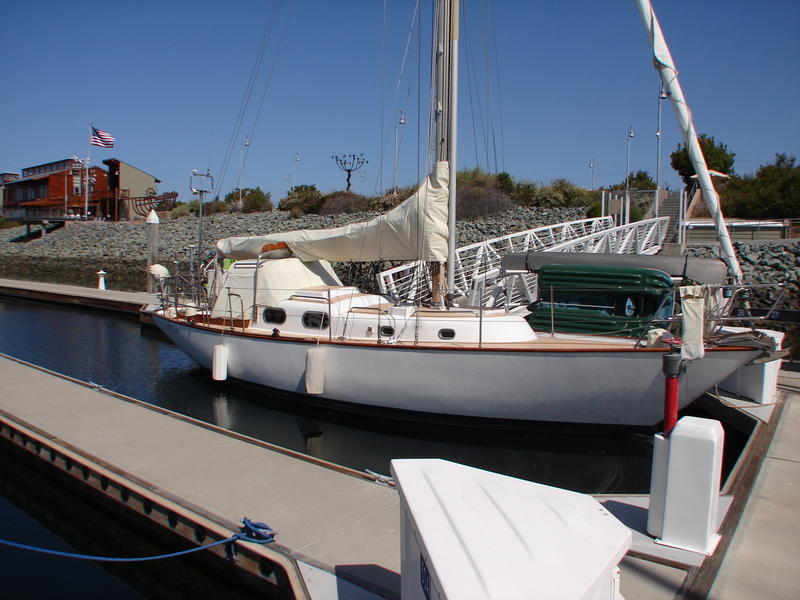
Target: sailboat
[{"x": 271, "y": 311}]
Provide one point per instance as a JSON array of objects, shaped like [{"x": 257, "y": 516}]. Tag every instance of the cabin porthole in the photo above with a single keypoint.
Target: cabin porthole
[
  {"x": 274, "y": 315},
  {"x": 387, "y": 331},
  {"x": 447, "y": 334},
  {"x": 315, "y": 320}
]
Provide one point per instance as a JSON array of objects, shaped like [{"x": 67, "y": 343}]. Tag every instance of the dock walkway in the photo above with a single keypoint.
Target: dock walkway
[
  {"x": 327, "y": 521},
  {"x": 131, "y": 302}
]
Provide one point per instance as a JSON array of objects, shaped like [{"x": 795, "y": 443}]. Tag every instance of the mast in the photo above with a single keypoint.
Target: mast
[
  {"x": 669, "y": 77},
  {"x": 445, "y": 122}
]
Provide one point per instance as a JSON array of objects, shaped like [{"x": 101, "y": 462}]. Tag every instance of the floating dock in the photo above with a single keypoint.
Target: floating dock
[
  {"x": 338, "y": 529},
  {"x": 126, "y": 302}
]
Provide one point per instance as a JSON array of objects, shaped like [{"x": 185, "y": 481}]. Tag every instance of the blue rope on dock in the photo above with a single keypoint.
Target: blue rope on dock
[{"x": 251, "y": 531}]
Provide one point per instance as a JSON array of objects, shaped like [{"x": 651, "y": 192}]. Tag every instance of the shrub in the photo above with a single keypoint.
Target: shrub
[
  {"x": 337, "y": 203},
  {"x": 213, "y": 208},
  {"x": 306, "y": 199},
  {"x": 183, "y": 209},
  {"x": 255, "y": 200},
  {"x": 7, "y": 224}
]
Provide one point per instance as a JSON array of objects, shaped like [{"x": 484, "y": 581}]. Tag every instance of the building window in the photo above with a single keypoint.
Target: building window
[
  {"x": 274, "y": 315},
  {"x": 315, "y": 320}
]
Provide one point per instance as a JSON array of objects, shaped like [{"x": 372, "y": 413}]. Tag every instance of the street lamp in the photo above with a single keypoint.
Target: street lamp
[
  {"x": 662, "y": 95},
  {"x": 245, "y": 146},
  {"x": 628, "y": 155},
  {"x": 400, "y": 121},
  {"x": 591, "y": 166},
  {"x": 294, "y": 162},
  {"x": 627, "y": 174}
]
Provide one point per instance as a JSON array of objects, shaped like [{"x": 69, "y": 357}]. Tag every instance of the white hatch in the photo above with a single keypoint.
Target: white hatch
[{"x": 469, "y": 533}]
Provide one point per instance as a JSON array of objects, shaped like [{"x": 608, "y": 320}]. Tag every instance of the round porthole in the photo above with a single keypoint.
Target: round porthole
[{"x": 447, "y": 334}]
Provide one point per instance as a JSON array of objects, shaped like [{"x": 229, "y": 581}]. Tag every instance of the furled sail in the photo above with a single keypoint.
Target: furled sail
[{"x": 416, "y": 229}]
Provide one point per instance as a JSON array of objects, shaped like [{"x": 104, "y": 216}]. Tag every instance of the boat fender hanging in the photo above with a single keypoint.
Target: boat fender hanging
[
  {"x": 315, "y": 370},
  {"x": 219, "y": 363}
]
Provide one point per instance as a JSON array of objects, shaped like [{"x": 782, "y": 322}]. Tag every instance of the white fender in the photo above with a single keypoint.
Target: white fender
[
  {"x": 315, "y": 370},
  {"x": 219, "y": 363}
]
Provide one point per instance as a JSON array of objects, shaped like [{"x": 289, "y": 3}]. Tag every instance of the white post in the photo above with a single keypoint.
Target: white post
[
  {"x": 152, "y": 245},
  {"x": 101, "y": 279},
  {"x": 684, "y": 486}
]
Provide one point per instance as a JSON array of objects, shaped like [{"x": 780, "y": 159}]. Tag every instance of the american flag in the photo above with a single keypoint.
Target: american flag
[{"x": 102, "y": 138}]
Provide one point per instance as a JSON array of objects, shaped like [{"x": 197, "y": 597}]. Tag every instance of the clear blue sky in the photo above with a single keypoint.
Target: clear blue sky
[{"x": 167, "y": 79}]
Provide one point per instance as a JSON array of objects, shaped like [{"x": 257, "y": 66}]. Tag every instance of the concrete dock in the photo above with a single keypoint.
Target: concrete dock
[
  {"x": 130, "y": 302},
  {"x": 338, "y": 530}
]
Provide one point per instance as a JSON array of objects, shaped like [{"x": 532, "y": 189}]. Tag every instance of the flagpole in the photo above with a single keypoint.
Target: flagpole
[{"x": 86, "y": 175}]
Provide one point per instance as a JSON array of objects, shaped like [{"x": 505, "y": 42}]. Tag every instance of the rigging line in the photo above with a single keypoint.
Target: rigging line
[
  {"x": 489, "y": 103},
  {"x": 265, "y": 38},
  {"x": 399, "y": 132},
  {"x": 269, "y": 75},
  {"x": 383, "y": 99},
  {"x": 499, "y": 97},
  {"x": 385, "y": 133},
  {"x": 468, "y": 56},
  {"x": 472, "y": 78}
]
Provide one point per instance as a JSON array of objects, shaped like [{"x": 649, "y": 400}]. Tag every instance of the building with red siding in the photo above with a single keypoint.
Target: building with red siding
[{"x": 58, "y": 190}]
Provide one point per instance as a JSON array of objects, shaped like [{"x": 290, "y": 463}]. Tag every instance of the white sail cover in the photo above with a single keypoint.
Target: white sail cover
[{"x": 416, "y": 229}]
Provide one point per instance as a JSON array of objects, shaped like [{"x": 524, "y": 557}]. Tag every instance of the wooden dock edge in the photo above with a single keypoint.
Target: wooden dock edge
[
  {"x": 271, "y": 564},
  {"x": 123, "y": 306}
]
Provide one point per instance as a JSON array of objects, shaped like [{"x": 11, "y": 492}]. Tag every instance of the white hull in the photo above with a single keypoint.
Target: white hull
[{"x": 615, "y": 387}]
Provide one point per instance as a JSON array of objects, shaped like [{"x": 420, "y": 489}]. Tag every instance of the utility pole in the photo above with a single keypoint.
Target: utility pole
[{"x": 349, "y": 163}]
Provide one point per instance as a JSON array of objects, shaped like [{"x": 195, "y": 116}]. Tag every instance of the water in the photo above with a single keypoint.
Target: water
[{"x": 116, "y": 352}]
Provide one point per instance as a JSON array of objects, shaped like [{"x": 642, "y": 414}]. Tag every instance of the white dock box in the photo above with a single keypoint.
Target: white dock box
[{"x": 468, "y": 533}]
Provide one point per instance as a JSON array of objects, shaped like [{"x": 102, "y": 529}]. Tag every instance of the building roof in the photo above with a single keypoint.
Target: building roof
[{"x": 108, "y": 162}]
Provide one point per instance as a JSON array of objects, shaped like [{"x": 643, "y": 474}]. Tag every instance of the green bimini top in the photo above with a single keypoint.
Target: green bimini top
[{"x": 600, "y": 300}]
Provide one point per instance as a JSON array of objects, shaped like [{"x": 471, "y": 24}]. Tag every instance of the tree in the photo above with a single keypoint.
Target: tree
[
  {"x": 637, "y": 180},
  {"x": 253, "y": 199},
  {"x": 717, "y": 158},
  {"x": 772, "y": 193},
  {"x": 302, "y": 199}
]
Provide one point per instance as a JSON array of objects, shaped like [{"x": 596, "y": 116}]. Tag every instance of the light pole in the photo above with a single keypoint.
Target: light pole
[
  {"x": 591, "y": 166},
  {"x": 400, "y": 121},
  {"x": 245, "y": 146},
  {"x": 294, "y": 162},
  {"x": 627, "y": 174},
  {"x": 662, "y": 95}
]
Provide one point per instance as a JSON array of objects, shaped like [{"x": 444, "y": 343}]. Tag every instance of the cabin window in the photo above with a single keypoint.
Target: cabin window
[
  {"x": 387, "y": 331},
  {"x": 447, "y": 334},
  {"x": 315, "y": 320},
  {"x": 274, "y": 315}
]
